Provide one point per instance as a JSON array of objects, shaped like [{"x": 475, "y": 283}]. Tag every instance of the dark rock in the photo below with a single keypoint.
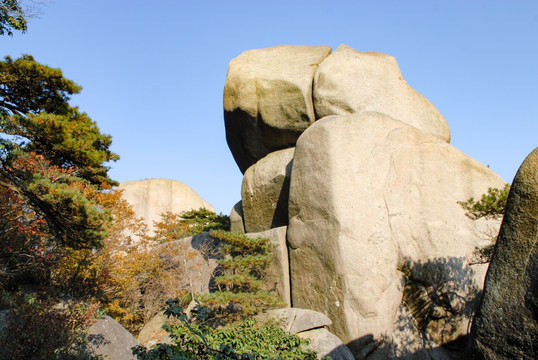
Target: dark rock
[{"x": 506, "y": 325}]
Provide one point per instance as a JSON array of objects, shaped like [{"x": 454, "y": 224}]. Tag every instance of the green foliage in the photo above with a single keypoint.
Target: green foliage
[
  {"x": 244, "y": 266},
  {"x": 36, "y": 116},
  {"x": 193, "y": 339},
  {"x": 12, "y": 17},
  {"x": 490, "y": 206},
  {"x": 52, "y": 168},
  {"x": 175, "y": 226},
  {"x": 203, "y": 220},
  {"x": 30, "y": 87}
]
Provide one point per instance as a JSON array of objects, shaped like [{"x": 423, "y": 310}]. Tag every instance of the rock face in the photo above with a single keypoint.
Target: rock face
[
  {"x": 109, "y": 339},
  {"x": 237, "y": 223},
  {"x": 268, "y": 99},
  {"x": 265, "y": 191},
  {"x": 198, "y": 255},
  {"x": 309, "y": 324},
  {"x": 326, "y": 343},
  {"x": 278, "y": 278},
  {"x": 349, "y": 81},
  {"x": 373, "y": 220},
  {"x": 152, "y": 197},
  {"x": 506, "y": 325}
]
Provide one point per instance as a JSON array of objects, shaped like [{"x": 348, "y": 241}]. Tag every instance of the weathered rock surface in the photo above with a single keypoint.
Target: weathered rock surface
[
  {"x": 326, "y": 344},
  {"x": 265, "y": 191},
  {"x": 152, "y": 197},
  {"x": 108, "y": 338},
  {"x": 309, "y": 324},
  {"x": 349, "y": 81},
  {"x": 296, "y": 320},
  {"x": 268, "y": 99},
  {"x": 237, "y": 223},
  {"x": 373, "y": 215},
  {"x": 506, "y": 325},
  {"x": 278, "y": 278}
]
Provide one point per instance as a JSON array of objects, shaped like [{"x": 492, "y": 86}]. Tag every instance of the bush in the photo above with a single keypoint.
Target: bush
[
  {"x": 193, "y": 339},
  {"x": 175, "y": 226},
  {"x": 244, "y": 266},
  {"x": 490, "y": 206}
]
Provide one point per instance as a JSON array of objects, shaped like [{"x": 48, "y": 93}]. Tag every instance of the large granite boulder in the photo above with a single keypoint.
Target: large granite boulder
[
  {"x": 150, "y": 198},
  {"x": 374, "y": 220},
  {"x": 265, "y": 191},
  {"x": 349, "y": 81},
  {"x": 506, "y": 325},
  {"x": 278, "y": 274},
  {"x": 109, "y": 339},
  {"x": 268, "y": 99}
]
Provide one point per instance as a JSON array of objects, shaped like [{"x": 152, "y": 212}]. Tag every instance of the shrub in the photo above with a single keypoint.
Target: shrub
[
  {"x": 244, "y": 266},
  {"x": 490, "y": 206},
  {"x": 193, "y": 339},
  {"x": 175, "y": 226}
]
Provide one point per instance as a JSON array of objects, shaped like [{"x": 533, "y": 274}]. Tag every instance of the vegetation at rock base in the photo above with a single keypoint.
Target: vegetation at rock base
[
  {"x": 223, "y": 328},
  {"x": 490, "y": 206},
  {"x": 194, "y": 339},
  {"x": 63, "y": 229},
  {"x": 244, "y": 265}
]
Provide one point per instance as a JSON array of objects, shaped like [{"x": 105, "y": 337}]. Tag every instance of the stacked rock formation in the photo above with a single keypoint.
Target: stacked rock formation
[{"x": 356, "y": 166}]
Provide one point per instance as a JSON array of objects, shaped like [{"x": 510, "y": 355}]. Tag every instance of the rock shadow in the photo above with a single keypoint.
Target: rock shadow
[{"x": 439, "y": 299}]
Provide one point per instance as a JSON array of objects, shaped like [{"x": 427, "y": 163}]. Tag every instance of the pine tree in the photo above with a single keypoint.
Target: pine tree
[{"x": 52, "y": 165}]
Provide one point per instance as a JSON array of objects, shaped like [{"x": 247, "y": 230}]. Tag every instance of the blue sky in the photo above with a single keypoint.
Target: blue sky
[{"x": 153, "y": 72}]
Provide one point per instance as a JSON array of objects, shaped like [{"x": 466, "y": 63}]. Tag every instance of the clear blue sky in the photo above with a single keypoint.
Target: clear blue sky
[{"x": 153, "y": 72}]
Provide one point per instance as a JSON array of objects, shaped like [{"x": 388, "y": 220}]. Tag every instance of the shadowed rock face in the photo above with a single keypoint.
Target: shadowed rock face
[
  {"x": 506, "y": 326},
  {"x": 265, "y": 191},
  {"x": 150, "y": 198}
]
